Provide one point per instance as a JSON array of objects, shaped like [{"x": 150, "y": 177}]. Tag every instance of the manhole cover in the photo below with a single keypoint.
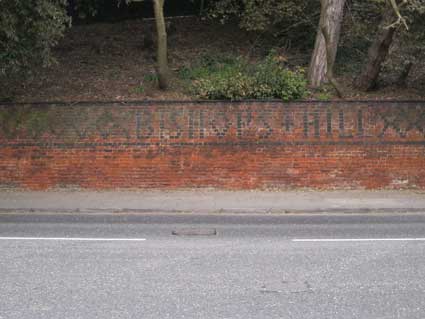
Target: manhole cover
[{"x": 194, "y": 232}]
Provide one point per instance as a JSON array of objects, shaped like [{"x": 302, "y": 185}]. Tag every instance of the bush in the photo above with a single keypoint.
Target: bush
[
  {"x": 28, "y": 31},
  {"x": 293, "y": 21},
  {"x": 273, "y": 80},
  {"x": 237, "y": 79}
]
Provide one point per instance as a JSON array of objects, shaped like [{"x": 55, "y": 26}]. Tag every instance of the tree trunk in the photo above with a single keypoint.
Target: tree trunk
[
  {"x": 162, "y": 68},
  {"x": 201, "y": 8},
  {"x": 331, "y": 17},
  {"x": 330, "y": 60},
  {"x": 377, "y": 54}
]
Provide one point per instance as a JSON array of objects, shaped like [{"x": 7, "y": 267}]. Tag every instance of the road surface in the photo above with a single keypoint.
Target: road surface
[{"x": 215, "y": 266}]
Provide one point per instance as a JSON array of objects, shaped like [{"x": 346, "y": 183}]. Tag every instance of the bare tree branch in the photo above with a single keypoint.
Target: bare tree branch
[{"x": 400, "y": 18}]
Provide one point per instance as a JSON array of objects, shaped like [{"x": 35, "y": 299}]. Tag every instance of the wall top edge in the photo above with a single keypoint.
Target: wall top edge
[{"x": 206, "y": 102}]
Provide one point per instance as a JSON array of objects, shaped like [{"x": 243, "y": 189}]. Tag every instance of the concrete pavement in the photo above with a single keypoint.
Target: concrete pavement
[{"x": 210, "y": 201}]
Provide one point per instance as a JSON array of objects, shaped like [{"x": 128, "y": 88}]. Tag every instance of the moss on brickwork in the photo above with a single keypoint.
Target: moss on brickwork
[
  {"x": 38, "y": 122},
  {"x": 68, "y": 124},
  {"x": 34, "y": 122},
  {"x": 10, "y": 121}
]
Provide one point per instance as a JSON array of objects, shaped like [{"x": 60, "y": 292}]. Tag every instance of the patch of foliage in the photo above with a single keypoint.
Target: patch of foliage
[
  {"x": 292, "y": 20},
  {"x": 237, "y": 79},
  {"x": 207, "y": 64},
  {"x": 84, "y": 9},
  {"x": 28, "y": 31}
]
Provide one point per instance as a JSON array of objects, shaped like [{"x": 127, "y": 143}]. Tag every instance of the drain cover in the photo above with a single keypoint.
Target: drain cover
[{"x": 194, "y": 232}]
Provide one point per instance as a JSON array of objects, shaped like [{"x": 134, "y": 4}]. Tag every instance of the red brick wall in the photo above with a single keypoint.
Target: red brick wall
[{"x": 212, "y": 144}]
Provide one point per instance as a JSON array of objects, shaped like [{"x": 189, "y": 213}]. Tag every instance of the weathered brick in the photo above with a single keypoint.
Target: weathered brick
[{"x": 223, "y": 145}]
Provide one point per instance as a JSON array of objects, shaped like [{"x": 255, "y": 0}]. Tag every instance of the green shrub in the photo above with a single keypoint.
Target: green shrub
[
  {"x": 28, "y": 31},
  {"x": 207, "y": 65},
  {"x": 237, "y": 79},
  {"x": 273, "y": 80}
]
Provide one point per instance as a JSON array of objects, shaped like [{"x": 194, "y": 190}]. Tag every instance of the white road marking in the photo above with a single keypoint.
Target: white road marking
[
  {"x": 354, "y": 239},
  {"x": 71, "y": 239}
]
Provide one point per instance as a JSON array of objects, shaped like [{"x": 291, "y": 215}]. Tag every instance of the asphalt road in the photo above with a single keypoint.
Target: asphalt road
[{"x": 255, "y": 266}]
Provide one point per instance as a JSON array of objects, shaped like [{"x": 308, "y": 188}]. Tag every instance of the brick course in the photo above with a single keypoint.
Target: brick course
[{"x": 241, "y": 145}]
